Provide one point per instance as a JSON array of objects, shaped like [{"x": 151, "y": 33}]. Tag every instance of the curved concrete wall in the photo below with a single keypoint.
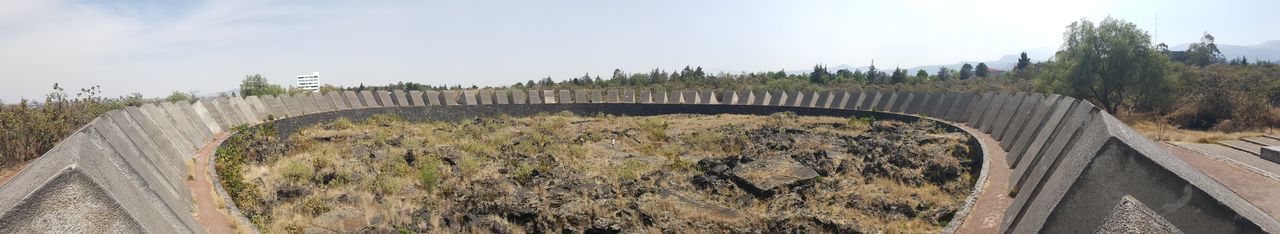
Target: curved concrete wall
[{"x": 1075, "y": 168}]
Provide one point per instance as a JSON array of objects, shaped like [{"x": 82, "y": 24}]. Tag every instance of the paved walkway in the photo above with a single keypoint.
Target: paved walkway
[
  {"x": 208, "y": 213},
  {"x": 1261, "y": 190},
  {"x": 989, "y": 209}
]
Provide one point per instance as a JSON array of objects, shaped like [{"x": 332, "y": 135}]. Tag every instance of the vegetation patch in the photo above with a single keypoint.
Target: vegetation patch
[{"x": 567, "y": 173}]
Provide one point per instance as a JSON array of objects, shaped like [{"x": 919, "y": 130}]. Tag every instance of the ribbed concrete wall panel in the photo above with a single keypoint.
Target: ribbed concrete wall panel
[
  {"x": 486, "y": 97},
  {"x": 339, "y": 103},
  {"x": 549, "y": 97},
  {"x": 369, "y": 99},
  {"x": 153, "y": 180},
  {"x": 323, "y": 104},
  {"x": 259, "y": 107},
  {"x": 1041, "y": 136},
  {"x": 168, "y": 127},
  {"x": 353, "y": 99},
  {"x": 1035, "y": 165},
  {"x": 123, "y": 133},
  {"x": 581, "y": 96},
  {"x": 628, "y": 96},
  {"x": 196, "y": 132},
  {"x": 81, "y": 172},
  {"x": 1008, "y": 115},
  {"x": 384, "y": 98},
  {"x": 1019, "y": 120},
  {"x": 207, "y": 117},
  {"x": 246, "y": 111},
  {"x": 597, "y": 96}
]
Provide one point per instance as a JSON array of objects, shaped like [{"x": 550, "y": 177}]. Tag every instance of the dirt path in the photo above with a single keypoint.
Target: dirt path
[
  {"x": 1259, "y": 190},
  {"x": 208, "y": 213},
  {"x": 988, "y": 211}
]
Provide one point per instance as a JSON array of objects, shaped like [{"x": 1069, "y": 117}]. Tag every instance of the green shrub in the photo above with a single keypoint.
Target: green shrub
[
  {"x": 296, "y": 170},
  {"x": 315, "y": 206},
  {"x": 342, "y": 123},
  {"x": 429, "y": 174},
  {"x": 655, "y": 130}
]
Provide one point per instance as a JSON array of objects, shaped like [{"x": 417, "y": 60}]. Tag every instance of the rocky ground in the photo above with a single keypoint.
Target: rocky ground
[{"x": 568, "y": 173}]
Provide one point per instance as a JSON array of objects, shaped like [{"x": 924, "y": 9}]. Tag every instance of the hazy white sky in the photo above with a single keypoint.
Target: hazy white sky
[{"x": 156, "y": 47}]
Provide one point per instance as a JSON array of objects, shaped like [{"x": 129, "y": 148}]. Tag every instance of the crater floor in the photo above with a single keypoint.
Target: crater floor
[{"x": 567, "y": 173}]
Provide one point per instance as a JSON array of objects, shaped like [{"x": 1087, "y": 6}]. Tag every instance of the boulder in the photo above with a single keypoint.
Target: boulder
[{"x": 763, "y": 177}]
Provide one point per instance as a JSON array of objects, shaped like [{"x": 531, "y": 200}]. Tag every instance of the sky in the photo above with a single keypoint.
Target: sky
[{"x": 156, "y": 47}]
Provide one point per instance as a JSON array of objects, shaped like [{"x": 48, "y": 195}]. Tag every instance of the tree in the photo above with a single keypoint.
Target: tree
[
  {"x": 1111, "y": 63},
  {"x": 1204, "y": 53},
  {"x": 982, "y": 70},
  {"x": 1023, "y": 62},
  {"x": 944, "y": 73},
  {"x": 899, "y": 76},
  {"x": 922, "y": 75},
  {"x": 873, "y": 75},
  {"x": 179, "y": 96},
  {"x": 618, "y": 77},
  {"x": 966, "y": 71},
  {"x": 254, "y": 85},
  {"x": 819, "y": 74}
]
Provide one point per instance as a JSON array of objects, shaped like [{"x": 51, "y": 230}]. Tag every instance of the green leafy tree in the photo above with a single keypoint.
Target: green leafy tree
[
  {"x": 1204, "y": 53},
  {"x": 982, "y": 71},
  {"x": 819, "y": 74},
  {"x": 256, "y": 84},
  {"x": 179, "y": 96},
  {"x": 966, "y": 71},
  {"x": 944, "y": 73},
  {"x": 1111, "y": 63},
  {"x": 922, "y": 75},
  {"x": 899, "y": 76},
  {"x": 874, "y": 75},
  {"x": 1023, "y": 62}
]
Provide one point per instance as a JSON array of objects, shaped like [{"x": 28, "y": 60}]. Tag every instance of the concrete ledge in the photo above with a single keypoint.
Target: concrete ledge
[{"x": 1271, "y": 153}]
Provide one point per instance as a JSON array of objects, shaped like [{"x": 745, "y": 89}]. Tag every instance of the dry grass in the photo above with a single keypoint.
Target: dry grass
[
  {"x": 1166, "y": 132},
  {"x": 389, "y": 169}
]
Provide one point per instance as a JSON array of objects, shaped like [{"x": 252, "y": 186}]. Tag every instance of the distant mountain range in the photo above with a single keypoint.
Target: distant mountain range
[{"x": 1269, "y": 50}]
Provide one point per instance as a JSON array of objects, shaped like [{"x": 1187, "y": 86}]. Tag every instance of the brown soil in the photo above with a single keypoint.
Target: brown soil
[
  {"x": 9, "y": 172},
  {"x": 209, "y": 214},
  {"x": 567, "y": 173}
]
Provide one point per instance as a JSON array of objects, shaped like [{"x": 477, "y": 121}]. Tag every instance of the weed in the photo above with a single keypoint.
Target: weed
[
  {"x": 384, "y": 119},
  {"x": 315, "y": 205},
  {"x": 632, "y": 169},
  {"x": 655, "y": 130},
  {"x": 522, "y": 172},
  {"x": 342, "y": 123},
  {"x": 296, "y": 170},
  {"x": 429, "y": 174}
]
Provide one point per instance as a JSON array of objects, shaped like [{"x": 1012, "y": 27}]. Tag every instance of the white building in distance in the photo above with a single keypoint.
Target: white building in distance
[{"x": 309, "y": 82}]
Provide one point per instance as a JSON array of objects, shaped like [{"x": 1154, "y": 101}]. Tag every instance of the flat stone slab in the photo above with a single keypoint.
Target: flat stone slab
[
  {"x": 1272, "y": 169},
  {"x": 1267, "y": 141},
  {"x": 1251, "y": 148},
  {"x": 763, "y": 176}
]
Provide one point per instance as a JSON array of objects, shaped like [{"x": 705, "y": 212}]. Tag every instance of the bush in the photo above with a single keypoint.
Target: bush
[
  {"x": 429, "y": 174},
  {"x": 28, "y": 129},
  {"x": 297, "y": 170},
  {"x": 653, "y": 129}
]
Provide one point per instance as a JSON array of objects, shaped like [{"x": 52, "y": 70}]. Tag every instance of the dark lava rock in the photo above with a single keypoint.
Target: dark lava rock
[
  {"x": 291, "y": 191},
  {"x": 761, "y": 177}
]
